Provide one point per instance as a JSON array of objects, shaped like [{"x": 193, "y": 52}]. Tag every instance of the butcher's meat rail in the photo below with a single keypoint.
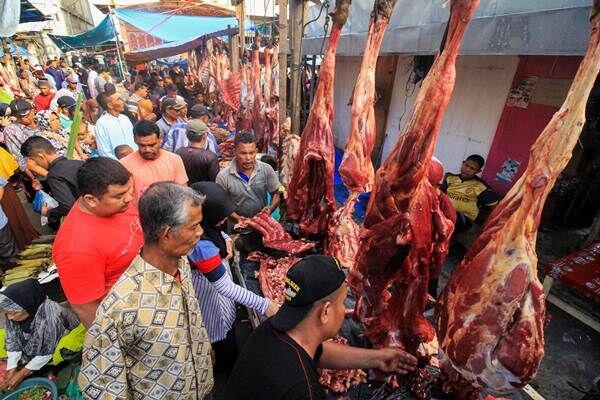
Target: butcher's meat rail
[
  {"x": 356, "y": 168},
  {"x": 343, "y": 235},
  {"x": 274, "y": 236},
  {"x": 311, "y": 199},
  {"x": 271, "y": 274},
  {"x": 491, "y": 317},
  {"x": 404, "y": 221}
]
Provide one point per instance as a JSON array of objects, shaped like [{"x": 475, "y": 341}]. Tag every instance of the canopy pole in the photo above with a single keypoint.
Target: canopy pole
[
  {"x": 283, "y": 68},
  {"x": 297, "y": 25},
  {"x": 112, "y": 22}
]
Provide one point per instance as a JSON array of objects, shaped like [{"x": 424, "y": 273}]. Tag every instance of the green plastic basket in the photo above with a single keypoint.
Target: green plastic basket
[{"x": 28, "y": 384}]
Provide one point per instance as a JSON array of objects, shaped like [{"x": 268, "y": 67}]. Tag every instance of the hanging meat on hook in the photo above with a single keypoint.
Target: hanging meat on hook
[
  {"x": 490, "y": 322},
  {"x": 311, "y": 200},
  {"x": 404, "y": 222},
  {"x": 356, "y": 168}
]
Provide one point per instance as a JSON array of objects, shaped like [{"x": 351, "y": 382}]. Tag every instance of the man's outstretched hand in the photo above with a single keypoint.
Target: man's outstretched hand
[{"x": 395, "y": 360}]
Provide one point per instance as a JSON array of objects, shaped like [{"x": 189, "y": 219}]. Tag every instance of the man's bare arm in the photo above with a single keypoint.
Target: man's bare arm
[{"x": 86, "y": 312}]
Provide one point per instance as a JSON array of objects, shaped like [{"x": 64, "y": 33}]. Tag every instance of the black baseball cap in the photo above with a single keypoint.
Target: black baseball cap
[
  {"x": 20, "y": 107},
  {"x": 198, "y": 110},
  {"x": 66, "y": 101},
  {"x": 309, "y": 280}
]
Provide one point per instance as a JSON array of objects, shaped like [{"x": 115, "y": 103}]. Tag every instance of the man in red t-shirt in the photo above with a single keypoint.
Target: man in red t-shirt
[
  {"x": 99, "y": 237},
  {"x": 42, "y": 100}
]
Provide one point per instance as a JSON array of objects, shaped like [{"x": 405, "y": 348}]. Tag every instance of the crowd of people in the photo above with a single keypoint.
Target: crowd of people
[{"x": 142, "y": 248}]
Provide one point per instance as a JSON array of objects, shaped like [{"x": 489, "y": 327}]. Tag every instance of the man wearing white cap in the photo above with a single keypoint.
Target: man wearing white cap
[{"x": 72, "y": 90}]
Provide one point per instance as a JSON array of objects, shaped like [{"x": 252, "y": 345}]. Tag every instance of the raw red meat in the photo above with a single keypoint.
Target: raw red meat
[
  {"x": 404, "y": 221},
  {"x": 343, "y": 237},
  {"x": 258, "y": 103},
  {"x": 291, "y": 147},
  {"x": 274, "y": 236},
  {"x": 491, "y": 317},
  {"x": 356, "y": 168},
  {"x": 271, "y": 274},
  {"x": 311, "y": 199},
  {"x": 339, "y": 381},
  {"x": 226, "y": 149}
]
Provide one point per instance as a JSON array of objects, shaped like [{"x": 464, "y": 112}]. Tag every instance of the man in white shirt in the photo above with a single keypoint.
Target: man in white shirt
[
  {"x": 113, "y": 127},
  {"x": 71, "y": 90},
  {"x": 91, "y": 82}
]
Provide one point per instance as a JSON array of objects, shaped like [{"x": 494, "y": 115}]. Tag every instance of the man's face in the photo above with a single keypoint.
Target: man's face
[
  {"x": 160, "y": 83},
  {"x": 337, "y": 312},
  {"x": 26, "y": 119},
  {"x": 54, "y": 64},
  {"x": 45, "y": 90},
  {"x": 245, "y": 155},
  {"x": 469, "y": 169},
  {"x": 115, "y": 103},
  {"x": 114, "y": 201},
  {"x": 40, "y": 159},
  {"x": 205, "y": 118},
  {"x": 72, "y": 86},
  {"x": 143, "y": 92},
  {"x": 182, "y": 112},
  {"x": 149, "y": 146},
  {"x": 172, "y": 112},
  {"x": 181, "y": 241}
]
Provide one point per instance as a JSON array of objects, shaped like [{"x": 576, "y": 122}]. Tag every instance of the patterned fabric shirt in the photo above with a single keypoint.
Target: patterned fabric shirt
[
  {"x": 148, "y": 340},
  {"x": 14, "y": 135}
]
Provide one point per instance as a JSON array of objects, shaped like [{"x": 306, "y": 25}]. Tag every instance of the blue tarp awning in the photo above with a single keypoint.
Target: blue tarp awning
[
  {"x": 171, "y": 28},
  {"x": 30, "y": 14},
  {"x": 20, "y": 51},
  {"x": 14, "y": 12},
  {"x": 101, "y": 34}
]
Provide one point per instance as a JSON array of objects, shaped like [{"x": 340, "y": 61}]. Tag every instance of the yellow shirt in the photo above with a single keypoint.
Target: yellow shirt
[
  {"x": 8, "y": 164},
  {"x": 467, "y": 195}
]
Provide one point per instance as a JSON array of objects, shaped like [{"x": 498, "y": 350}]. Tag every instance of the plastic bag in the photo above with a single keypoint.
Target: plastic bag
[{"x": 43, "y": 199}]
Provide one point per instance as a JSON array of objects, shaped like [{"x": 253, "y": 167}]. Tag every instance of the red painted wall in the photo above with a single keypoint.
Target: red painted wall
[{"x": 519, "y": 127}]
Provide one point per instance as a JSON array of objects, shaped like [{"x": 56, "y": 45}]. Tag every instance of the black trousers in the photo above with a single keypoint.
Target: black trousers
[{"x": 8, "y": 246}]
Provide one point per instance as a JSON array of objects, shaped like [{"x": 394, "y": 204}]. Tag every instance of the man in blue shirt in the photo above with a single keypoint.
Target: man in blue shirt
[
  {"x": 113, "y": 127},
  {"x": 8, "y": 247}
]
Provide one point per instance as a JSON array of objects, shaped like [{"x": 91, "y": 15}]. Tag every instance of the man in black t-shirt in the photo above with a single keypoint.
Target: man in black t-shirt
[{"x": 280, "y": 359}]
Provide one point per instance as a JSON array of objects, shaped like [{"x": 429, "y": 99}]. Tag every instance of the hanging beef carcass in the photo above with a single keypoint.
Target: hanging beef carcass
[
  {"x": 491, "y": 317},
  {"x": 404, "y": 222},
  {"x": 270, "y": 108},
  {"x": 258, "y": 109},
  {"x": 311, "y": 199},
  {"x": 356, "y": 168}
]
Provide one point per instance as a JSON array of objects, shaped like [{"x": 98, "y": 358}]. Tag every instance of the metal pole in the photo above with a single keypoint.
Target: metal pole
[{"x": 112, "y": 22}]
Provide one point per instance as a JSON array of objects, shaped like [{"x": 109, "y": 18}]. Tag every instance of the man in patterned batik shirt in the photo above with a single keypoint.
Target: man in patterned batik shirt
[{"x": 148, "y": 340}]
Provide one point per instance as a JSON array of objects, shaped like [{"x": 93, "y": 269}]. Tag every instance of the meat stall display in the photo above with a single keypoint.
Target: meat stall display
[
  {"x": 271, "y": 274},
  {"x": 311, "y": 199},
  {"x": 273, "y": 234},
  {"x": 491, "y": 317},
  {"x": 404, "y": 221}
]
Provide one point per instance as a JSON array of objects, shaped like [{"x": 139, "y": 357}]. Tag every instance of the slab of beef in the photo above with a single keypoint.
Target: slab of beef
[
  {"x": 404, "y": 222},
  {"x": 339, "y": 381},
  {"x": 491, "y": 317},
  {"x": 274, "y": 236},
  {"x": 356, "y": 168},
  {"x": 271, "y": 106},
  {"x": 311, "y": 200},
  {"x": 258, "y": 104},
  {"x": 226, "y": 149},
  {"x": 343, "y": 237},
  {"x": 271, "y": 274},
  {"x": 291, "y": 147}
]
